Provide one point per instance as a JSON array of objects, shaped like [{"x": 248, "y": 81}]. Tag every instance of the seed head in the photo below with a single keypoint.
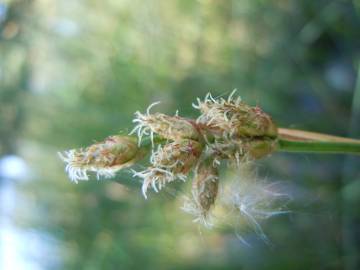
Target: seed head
[{"x": 105, "y": 158}]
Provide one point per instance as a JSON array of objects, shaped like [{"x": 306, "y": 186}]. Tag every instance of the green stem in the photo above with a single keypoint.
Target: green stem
[
  {"x": 292, "y": 140},
  {"x": 319, "y": 147}
]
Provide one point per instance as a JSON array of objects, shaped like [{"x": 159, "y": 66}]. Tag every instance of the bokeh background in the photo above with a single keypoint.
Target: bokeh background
[{"x": 75, "y": 71}]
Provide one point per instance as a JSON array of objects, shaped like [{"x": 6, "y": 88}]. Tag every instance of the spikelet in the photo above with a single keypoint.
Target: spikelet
[
  {"x": 104, "y": 158},
  {"x": 233, "y": 118},
  {"x": 241, "y": 150},
  {"x": 170, "y": 162},
  {"x": 204, "y": 192},
  {"x": 169, "y": 127}
]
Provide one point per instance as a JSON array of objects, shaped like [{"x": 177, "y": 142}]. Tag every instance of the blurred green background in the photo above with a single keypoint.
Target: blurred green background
[{"x": 75, "y": 71}]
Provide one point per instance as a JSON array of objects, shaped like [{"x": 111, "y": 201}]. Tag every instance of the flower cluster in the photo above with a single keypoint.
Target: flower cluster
[{"x": 226, "y": 130}]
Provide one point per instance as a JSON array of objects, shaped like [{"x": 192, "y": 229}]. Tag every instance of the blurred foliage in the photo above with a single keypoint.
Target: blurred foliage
[{"x": 75, "y": 71}]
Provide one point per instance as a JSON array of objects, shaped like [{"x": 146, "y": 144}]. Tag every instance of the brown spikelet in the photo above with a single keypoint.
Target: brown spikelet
[
  {"x": 105, "y": 158},
  {"x": 205, "y": 186},
  {"x": 169, "y": 127},
  {"x": 233, "y": 118},
  {"x": 170, "y": 162},
  {"x": 241, "y": 149}
]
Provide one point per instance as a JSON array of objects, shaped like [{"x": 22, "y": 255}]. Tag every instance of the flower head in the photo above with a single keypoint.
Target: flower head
[
  {"x": 227, "y": 129},
  {"x": 104, "y": 158}
]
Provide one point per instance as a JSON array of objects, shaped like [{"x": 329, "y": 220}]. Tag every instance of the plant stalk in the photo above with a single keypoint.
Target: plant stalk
[{"x": 291, "y": 140}]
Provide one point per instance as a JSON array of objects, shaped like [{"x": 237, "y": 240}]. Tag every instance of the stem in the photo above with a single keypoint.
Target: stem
[
  {"x": 319, "y": 147},
  {"x": 301, "y": 135},
  {"x": 291, "y": 140}
]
